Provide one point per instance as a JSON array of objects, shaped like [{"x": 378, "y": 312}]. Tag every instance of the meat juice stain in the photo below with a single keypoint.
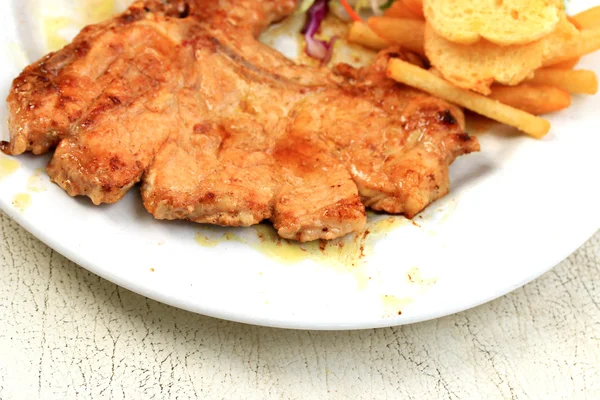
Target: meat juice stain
[
  {"x": 22, "y": 201},
  {"x": 206, "y": 241},
  {"x": 8, "y": 166},
  {"x": 35, "y": 183},
  {"x": 393, "y": 306},
  {"x": 415, "y": 276},
  {"x": 347, "y": 253},
  {"x": 98, "y": 10},
  {"x": 89, "y": 12},
  {"x": 52, "y": 31}
]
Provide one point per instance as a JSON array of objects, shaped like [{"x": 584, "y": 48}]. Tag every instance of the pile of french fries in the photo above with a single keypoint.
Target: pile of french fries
[{"x": 547, "y": 89}]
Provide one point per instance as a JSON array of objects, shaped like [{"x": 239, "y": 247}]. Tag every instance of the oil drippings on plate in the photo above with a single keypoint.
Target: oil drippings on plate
[
  {"x": 349, "y": 251},
  {"x": 59, "y": 29},
  {"x": 53, "y": 32},
  {"x": 35, "y": 183},
  {"x": 94, "y": 11},
  {"x": 415, "y": 276},
  {"x": 393, "y": 306},
  {"x": 206, "y": 239},
  {"x": 8, "y": 166},
  {"x": 22, "y": 201}
]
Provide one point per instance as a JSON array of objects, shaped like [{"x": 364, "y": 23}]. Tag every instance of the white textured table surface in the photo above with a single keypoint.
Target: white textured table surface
[{"x": 66, "y": 334}]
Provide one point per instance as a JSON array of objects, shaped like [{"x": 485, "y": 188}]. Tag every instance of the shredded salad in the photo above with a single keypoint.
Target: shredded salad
[
  {"x": 317, "y": 10},
  {"x": 318, "y": 49}
]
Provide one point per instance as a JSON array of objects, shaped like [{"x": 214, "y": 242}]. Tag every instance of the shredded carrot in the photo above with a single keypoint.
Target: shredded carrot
[{"x": 350, "y": 11}]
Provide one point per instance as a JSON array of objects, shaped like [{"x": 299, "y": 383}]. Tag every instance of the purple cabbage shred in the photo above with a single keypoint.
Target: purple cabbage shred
[{"x": 315, "y": 48}]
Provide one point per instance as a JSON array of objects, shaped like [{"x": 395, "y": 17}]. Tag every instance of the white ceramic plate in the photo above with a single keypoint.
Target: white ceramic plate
[{"x": 515, "y": 210}]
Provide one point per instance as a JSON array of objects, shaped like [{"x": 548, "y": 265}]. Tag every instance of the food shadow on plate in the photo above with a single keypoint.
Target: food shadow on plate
[
  {"x": 481, "y": 126},
  {"x": 349, "y": 251},
  {"x": 466, "y": 173}
]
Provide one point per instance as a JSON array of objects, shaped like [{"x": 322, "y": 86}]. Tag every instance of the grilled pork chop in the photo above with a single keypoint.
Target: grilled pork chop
[{"x": 221, "y": 129}]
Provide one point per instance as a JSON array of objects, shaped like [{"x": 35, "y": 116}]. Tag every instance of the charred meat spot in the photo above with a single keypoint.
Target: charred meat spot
[
  {"x": 115, "y": 163},
  {"x": 184, "y": 11},
  {"x": 464, "y": 137},
  {"x": 210, "y": 196},
  {"x": 106, "y": 187},
  {"x": 82, "y": 48},
  {"x": 74, "y": 117},
  {"x": 202, "y": 128},
  {"x": 4, "y": 147},
  {"x": 116, "y": 101},
  {"x": 66, "y": 99},
  {"x": 446, "y": 117},
  {"x": 128, "y": 18}
]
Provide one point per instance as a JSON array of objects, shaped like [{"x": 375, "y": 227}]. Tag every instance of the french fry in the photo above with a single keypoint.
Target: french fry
[
  {"x": 435, "y": 72},
  {"x": 588, "y": 42},
  {"x": 360, "y": 33},
  {"x": 569, "y": 64},
  {"x": 408, "y": 33},
  {"x": 588, "y": 18},
  {"x": 399, "y": 10},
  {"x": 419, "y": 78},
  {"x": 574, "y": 22},
  {"x": 579, "y": 81},
  {"x": 416, "y": 7},
  {"x": 534, "y": 99}
]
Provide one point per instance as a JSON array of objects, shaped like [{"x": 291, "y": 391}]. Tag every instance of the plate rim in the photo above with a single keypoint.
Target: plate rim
[
  {"x": 81, "y": 260},
  {"x": 90, "y": 266}
]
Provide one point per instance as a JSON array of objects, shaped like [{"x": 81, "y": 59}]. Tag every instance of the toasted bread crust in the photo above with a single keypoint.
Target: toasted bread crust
[
  {"x": 505, "y": 22},
  {"x": 478, "y": 66}
]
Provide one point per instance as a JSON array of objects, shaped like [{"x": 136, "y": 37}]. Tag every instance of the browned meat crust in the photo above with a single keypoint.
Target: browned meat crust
[{"x": 221, "y": 129}]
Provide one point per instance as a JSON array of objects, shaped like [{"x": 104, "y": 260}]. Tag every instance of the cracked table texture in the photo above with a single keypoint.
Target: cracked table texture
[{"x": 68, "y": 334}]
